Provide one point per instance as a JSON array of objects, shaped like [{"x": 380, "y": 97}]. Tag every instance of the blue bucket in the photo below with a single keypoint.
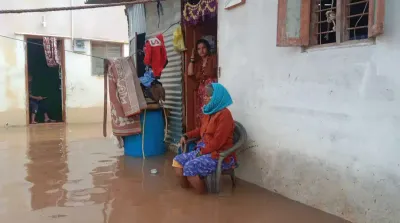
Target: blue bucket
[{"x": 153, "y": 136}]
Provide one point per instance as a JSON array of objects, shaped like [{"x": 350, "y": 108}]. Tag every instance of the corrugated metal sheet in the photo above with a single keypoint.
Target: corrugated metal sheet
[{"x": 171, "y": 79}]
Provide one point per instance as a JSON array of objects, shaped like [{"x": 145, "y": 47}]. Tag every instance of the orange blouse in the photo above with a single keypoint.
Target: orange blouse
[
  {"x": 209, "y": 71},
  {"x": 216, "y": 132}
]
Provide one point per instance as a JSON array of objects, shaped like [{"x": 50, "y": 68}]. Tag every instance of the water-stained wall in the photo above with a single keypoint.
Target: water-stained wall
[
  {"x": 324, "y": 124},
  {"x": 84, "y": 91}
]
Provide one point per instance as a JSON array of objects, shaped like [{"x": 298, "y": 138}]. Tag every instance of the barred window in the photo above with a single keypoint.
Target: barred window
[{"x": 327, "y": 22}]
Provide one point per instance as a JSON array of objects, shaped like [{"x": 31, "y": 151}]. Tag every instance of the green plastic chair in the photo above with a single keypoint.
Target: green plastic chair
[{"x": 213, "y": 180}]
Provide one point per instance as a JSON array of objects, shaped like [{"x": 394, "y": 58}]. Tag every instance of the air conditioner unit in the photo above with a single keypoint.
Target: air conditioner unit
[{"x": 79, "y": 46}]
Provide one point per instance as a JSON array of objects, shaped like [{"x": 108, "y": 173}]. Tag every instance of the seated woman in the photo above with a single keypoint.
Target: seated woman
[{"x": 215, "y": 134}]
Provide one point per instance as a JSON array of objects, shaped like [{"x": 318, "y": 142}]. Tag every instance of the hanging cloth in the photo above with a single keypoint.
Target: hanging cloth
[
  {"x": 140, "y": 43},
  {"x": 198, "y": 10},
  {"x": 179, "y": 44},
  {"x": 51, "y": 51},
  {"x": 156, "y": 55},
  {"x": 126, "y": 96},
  {"x": 147, "y": 78}
]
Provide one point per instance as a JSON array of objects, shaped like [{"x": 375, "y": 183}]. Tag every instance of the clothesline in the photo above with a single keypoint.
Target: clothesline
[
  {"x": 176, "y": 23},
  {"x": 18, "y": 11},
  {"x": 169, "y": 27},
  {"x": 70, "y": 51},
  {"x": 38, "y": 44}
]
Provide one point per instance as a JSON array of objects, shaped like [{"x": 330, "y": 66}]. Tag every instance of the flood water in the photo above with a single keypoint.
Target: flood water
[{"x": 59, "y": 173}]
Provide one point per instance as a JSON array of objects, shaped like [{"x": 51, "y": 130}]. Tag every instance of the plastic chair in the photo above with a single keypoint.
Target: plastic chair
[{"x": 213, "y": 180}]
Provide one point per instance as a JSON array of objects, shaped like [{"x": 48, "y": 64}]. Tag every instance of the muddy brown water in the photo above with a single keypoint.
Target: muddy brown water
[{"x": 69, "y": 173}]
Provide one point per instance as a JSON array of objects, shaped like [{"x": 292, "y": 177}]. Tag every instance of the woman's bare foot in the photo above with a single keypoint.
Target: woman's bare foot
[
  {"x": 33, "y": 122},
  {"x": 198, "y": 184},
  {"x": 183, "y": 181}
]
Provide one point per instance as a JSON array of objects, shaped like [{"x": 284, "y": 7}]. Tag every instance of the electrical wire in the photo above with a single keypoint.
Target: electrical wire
[
  {"x": 71, "y": 51},
  {"x": 176, "y": 23},
  {"x": 38, "y": 44},
  {"x": 56, "y": 9}
]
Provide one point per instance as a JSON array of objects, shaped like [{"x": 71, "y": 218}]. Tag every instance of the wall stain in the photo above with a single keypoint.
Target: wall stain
[
  {"x": 10, "y": 59},
  {"x": 250, "y": 145},
  {"x": 11, "y": 96},
  {"x": 9, "y": 50}
]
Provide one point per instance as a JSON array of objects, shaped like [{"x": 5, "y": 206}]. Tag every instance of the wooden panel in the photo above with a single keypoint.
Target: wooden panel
[
  {"x": 376, "y": 18},
  {"x": 192, "y": 34},
  {"x": 293, "y": 28}
]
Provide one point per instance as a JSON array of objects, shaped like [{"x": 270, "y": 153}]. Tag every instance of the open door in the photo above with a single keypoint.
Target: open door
[
  {"x": 45, "y": 84},
  {"x": 204, "y": 30}
]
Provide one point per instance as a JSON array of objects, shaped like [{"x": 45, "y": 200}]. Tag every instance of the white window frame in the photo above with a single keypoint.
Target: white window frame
[{"x": 97, "y": 56}]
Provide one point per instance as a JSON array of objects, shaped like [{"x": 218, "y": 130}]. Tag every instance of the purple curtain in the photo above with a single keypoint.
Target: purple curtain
[{"x": 198, "y": 10}]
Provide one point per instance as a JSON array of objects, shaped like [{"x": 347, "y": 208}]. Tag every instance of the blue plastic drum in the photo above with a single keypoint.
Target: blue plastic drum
[{"x": 153, "y": 136}]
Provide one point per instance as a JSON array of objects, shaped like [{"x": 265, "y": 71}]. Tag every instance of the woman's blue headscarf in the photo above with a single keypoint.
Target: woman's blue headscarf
[{"x": 220, "y": 100}]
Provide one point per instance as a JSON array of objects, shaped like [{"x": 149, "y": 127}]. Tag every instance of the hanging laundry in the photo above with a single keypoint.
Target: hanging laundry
[
  {"x": 152, "y": 88},
  {"x": 156, "y": 55},
  {"x": 147, "y": 78},
  {"x": 195, "y": 11},
  {"x": 140, "y": 42},
  {"x": 51, "y": 51},
  {"x": 126, "y": 97},
  {"x": 179, "y": 43},
  {"x": 157, "y": 91}
]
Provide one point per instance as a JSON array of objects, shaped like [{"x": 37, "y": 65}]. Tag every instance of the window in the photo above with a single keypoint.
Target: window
[
  {"x": 103, "y": 50},
  {"x": 321, "y": 22}
]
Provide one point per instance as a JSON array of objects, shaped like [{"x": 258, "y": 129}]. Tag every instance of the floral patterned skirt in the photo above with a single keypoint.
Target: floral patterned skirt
[
  {"x": 194, "y": 164},
  {"x": 201, "y": 93}
]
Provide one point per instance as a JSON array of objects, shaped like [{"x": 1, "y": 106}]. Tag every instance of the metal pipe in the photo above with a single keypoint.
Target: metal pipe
[{"x": 72, "y": 25}]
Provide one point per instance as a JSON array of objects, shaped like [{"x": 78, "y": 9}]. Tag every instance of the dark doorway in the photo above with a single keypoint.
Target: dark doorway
[
  {"x": 45, "y": 82},
  {"x": 203, "y": 30}
]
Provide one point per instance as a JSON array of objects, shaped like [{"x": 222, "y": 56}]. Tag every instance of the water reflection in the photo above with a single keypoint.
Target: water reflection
[
  {"x": 135, "y": 193},
  {"x": 47, "y": 167},
  {"x": 72, "y": 174}
]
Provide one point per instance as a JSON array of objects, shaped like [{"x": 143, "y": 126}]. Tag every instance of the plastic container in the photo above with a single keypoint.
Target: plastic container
[{"x": 153, "y": 136}]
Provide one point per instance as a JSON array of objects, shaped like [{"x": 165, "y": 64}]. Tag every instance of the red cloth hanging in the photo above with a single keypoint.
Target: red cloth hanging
[
  {"x": 51, "y": 51},
  {"x": 156, "y": 55}
]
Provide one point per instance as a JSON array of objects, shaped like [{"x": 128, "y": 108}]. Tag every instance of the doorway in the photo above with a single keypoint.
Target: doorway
[
  {"x": 46, "y": 82},
  {"x": 208, "y": 30}
]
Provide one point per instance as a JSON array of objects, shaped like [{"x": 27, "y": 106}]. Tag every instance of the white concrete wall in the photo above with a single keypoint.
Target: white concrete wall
[
  {"x": 12, "y": 81},
  {"x": 84, "y": 91},
  {"x": 324, "y": 125}
]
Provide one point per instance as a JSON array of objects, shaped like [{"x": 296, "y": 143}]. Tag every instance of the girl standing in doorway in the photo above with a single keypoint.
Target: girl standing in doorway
[{"x": 205, "y": 72}]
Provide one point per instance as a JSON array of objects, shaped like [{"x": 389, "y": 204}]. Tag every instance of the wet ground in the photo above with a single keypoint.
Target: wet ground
[{"x": 70, "y": 173}]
